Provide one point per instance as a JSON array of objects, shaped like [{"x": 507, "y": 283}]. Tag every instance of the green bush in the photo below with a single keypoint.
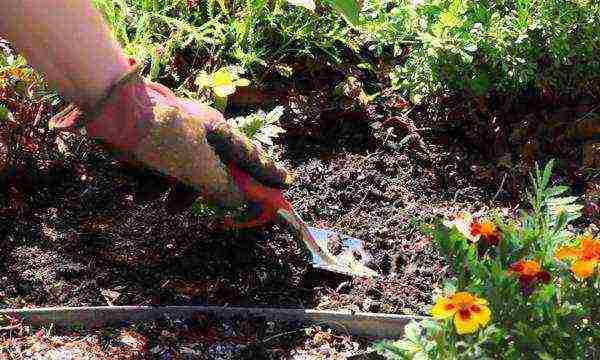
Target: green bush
[
  {"x": 247, "y": 33},
  {"x": 477, "y": 47},
  {"x": 524, "y": 288},
  {"x": 503, "y": 46}
]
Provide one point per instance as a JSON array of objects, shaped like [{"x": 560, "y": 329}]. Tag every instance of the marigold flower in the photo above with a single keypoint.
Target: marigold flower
[
  {"x": 486, "y": 230},
  {"x": 530, "y": 272},
  {"x": 469, "y": 312},
  {"x": 586, "y": 256}
]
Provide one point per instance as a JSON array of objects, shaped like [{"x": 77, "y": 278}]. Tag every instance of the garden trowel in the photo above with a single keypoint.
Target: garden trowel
[{"x": 330, "y": 250}]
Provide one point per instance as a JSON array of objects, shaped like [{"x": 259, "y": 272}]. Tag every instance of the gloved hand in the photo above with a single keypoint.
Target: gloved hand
[{"x": 145, "y": 122}]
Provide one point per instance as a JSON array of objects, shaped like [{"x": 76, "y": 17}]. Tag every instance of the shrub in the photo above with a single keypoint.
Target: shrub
[
  {"x": 502, "y": 46},
  {"x": 245, "y": 33},
  {"x": 524, "y": 288}
]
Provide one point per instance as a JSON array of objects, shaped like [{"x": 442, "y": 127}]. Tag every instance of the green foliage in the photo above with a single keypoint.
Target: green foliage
[
  {"x": 549, "y": 320},
  {"x": 248, "y": 33},
  {"x": 261, "y": 126},
  {"x": 444, "y": 45},
  {"x": 349, "y": 9},
  {"x": 506, "y": 46}
]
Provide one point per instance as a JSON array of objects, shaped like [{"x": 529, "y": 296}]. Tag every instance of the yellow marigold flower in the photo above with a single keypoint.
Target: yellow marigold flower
[
  {"x": 469, "y": 312},
  {"x": 585, "y": 257}
]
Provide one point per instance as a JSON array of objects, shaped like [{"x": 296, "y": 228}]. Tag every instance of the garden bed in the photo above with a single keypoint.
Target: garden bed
[
  {"x": 87, "y": 231},
  {"x": 81, "y": 229}
]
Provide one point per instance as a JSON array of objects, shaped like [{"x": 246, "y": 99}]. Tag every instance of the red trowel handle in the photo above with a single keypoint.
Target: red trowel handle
[{"x": 270, "y": 200}]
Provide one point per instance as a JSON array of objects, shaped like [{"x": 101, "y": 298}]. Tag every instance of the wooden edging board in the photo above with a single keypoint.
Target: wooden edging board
[{"x": 361, "y": 324}]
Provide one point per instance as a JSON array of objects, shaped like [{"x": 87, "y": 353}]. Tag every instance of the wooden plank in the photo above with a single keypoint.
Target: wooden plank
[{"x": 362, "y": 324}]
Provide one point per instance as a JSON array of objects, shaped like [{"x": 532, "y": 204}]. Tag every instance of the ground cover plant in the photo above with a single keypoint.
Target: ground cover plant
[{"x": 389, "y": 118}]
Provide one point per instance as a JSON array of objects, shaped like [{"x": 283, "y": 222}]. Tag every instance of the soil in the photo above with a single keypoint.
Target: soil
[
  {"x": 85, "y": 227},
  {"x": 80, "y": 228}
]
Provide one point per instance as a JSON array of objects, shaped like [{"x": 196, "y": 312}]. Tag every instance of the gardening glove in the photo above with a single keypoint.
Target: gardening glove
[{"x": 144, "y": 122}]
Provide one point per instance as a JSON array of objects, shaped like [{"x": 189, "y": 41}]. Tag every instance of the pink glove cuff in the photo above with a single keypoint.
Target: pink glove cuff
[{"x": 122, "y": 115}]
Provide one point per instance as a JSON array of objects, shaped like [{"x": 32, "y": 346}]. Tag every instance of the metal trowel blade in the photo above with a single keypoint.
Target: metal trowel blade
[{"x": 329, "y": 249}]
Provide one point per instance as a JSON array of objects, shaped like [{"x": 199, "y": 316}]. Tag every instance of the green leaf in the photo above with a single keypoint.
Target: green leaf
[
  {"x": 225, "y": 90},
  {"x": 389, "y": 348},
  {"x": 466, "y": 57},
  {"x": 202, "y": 80},
  {"x": 408, "y": 346},
  {"x": 412, "y": 331},
  {"x": 545, "y": 356},
  {"x": 4, "y": 113},
  {"x": 480, "y": 84},
  {"x": 547, "y": 173},
  {"x": 241, "y": 82},
  {"x": 274, "y": 115},
  {"x": 348, "y": 9},
  {"x": 567, "y": 200},
  {"x": 449, "y": 19},
  {"x": 449, "y": 288},
  {"x": 431, "y": 327},
  {"x": 420, "y": 356},
  {"x": 556, "y": 190},
  {"x": 471, "y": 47}
]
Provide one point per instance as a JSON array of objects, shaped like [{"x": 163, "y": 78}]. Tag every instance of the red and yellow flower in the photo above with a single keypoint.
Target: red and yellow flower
[
  {"x": 530, "y": 272},
  {"x": 585, "y": 257},
  {"x": 469, "y": 312},
  {"x": 486, "y": 230}
]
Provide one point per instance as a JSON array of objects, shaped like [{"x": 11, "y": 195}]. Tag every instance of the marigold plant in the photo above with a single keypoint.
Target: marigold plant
[{"x": 512, "y": 268}]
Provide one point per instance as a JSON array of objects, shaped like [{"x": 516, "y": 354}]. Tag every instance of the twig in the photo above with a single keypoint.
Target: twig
[
  {"x": 587, "y": 114},
  {"x": 284, "y": 334},
  {"x": 501, "y": 186}
]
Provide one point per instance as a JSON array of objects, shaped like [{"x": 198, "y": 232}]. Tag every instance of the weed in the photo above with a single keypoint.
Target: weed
[{"x": 261, "y": 126}]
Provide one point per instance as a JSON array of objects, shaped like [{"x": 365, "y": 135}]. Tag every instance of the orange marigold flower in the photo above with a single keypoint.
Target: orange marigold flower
[
  {"x": 530, "y": 272},
  {"x": 469, "y": 312},
  {"x": 585, "y": 257},
  {"x": 486, "y": 230}
]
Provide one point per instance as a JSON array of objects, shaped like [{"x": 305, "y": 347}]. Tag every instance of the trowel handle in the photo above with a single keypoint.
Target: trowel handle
[{"x": 268, "y": 200}]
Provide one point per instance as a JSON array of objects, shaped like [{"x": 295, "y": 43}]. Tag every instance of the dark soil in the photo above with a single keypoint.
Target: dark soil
[
  {"x": 86, "y": 230},
  {"x": 79, "y": 228}
]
